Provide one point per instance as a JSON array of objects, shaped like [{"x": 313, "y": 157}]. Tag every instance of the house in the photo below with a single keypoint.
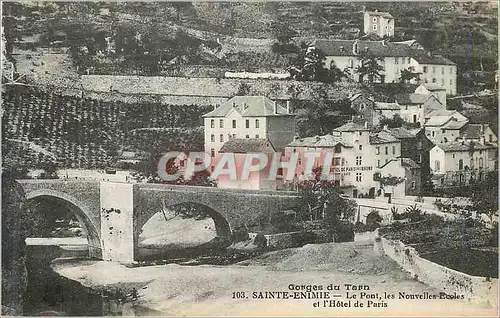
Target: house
[
  {"x": 404, "y": 168},
  {"x": 363, "y": 106},
  {"x": 379, "y": 23},
  {"x": 394, "y": 57},
  {"x": 416, "y": 146},
  {"x": 438, "y": 91},
  {"x": 414, "y": 106},
  {"x": 478, "y": 132},
  {"x": 248, "y": 117},
  {"x": 436, "y": 69},
  {"x": 238, "y": 149},
  {"x": 387, "y": 110},
  {"x": 458, "y": 162},
  {"x": 387, "y": 147},
  {"x": 348, "y": 153},
  {"x": 443, "y": 125}
]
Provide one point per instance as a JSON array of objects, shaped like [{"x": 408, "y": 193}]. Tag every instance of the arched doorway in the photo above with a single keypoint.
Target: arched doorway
[
  {"x": 182, "y": 230},
  {"x": 57, "y": 215}
]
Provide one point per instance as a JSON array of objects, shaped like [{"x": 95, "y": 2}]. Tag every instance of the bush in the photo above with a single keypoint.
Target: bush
[
  {"x": 343, "y": 232},
  {"x": 373, "y": 220}
]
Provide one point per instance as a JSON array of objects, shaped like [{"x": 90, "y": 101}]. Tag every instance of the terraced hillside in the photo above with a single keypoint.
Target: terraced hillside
[{"x": 41, "y": 127}]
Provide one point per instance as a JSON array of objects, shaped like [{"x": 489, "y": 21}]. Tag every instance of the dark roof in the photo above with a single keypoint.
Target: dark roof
[
  {"x": 386, "y": 15},
  {"x": 423, "y": 58},
  {"x": 240, "y": 145},
  {"x": 351, "y": 126},
  {"x": 332, "y": 47},
  {"x": 409, "y": 163},
  {"x": 473, "y": 131},
  {"x": 456, "y": 146},
  {"x": 411, "y": 99},
  {"x": 404, "y": 133},
  {"x": 249, "y": 106},
  {"x": 382, "y": 137}
]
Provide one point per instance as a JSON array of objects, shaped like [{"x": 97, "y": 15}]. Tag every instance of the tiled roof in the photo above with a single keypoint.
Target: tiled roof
[
  {"x": 386, "y": 106},
  {"x": 458, "y": 146},
  {"x": 473, "y": 131},
  {"x": 403, "y": 133},
  {"x": 326, "y": 141},
  {"x": 382, "y": 137},
  {"x": 408, "y": 162},
  {"x": 440, "y": 112},
  {"x": 411, "y": 99},
  {"x": 433, "y": 87},
  {"x": 248, "y": 106},
  {"x": 443, "y": 116},
  {"x": 386, "y": 15},
  {"x": 334, "y": 47},
  {"x": 238, "y": 145},
  {"x": 423, "y": 58},
  {"x": 351, "y": 126},
  {"x": 454, "y": 124}
]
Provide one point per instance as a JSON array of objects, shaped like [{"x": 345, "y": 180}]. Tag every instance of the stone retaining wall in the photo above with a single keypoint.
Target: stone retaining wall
[
  {"x": 297, "y": 239},
  {"x": 440, "y": 277}
]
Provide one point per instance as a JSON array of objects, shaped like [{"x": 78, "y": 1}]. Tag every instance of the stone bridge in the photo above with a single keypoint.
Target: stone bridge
[{"x": 114, "y": 213}]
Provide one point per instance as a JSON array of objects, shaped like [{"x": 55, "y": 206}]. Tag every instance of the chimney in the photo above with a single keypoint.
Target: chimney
[
  {"x": 295, "y": 138},
  {"x": 275, "y": 110},
  {"x": 288, "y": 107},
  {"x": 366, "y": 125}
]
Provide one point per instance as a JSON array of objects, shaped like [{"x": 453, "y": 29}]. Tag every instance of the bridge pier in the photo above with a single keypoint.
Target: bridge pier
[{"x": 117, "y": 224}]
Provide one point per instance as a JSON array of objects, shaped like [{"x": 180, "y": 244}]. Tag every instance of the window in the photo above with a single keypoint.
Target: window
[
  {"x": 408, "y": 60},
  {"x": 490, "y": 138},
  {"x": 378, "y": 163},
  {"x": 256, "y": 123},
  {"x": 460, "y": 164},
  {"x": 442, "y": 81},
  {"x": 221, "y": 123},
  {"x": 425, "y": 69},
  {"x": 442, "y": 70},
  {"x": 433, "y": 70},
  {"x": 338, "y": 149},
  {"x": 386, "y": 27},
  {"x": 212, "y": 152},
  {"x": 221, "y": 138},
  {"x": 343, "y": 162},
  {"x": 360, "y": 147},
  {"x": 396, "y": 60},
  {"x": 247, "y": 136},
  {"x": 212, "y": 123},
  {"x": 351, "y": 64},
  {"x": 386, "y": 150},
  {"x": 481, "y": 163},
  {"x": 378, "y": 150},
  {"x": 425, "y": 80},
  {"x": 451, "y": 82},
  {"x": 433, "y": 133},
  {"x": 247, "y": 123},
  {"x": 358, "y": 176},
  {"x": 234, "y": 123},
  {"x": 229, "y": 136},
  {"x": 234, "y": 135},
  {"x": 358, "y": 160},
  {"x": 336, "y": 161},
  {"x": 374, "y": 19},
  {"x": 437, "y": 165},
  {"x": 413, "y": 184},
  {"x": 393, "y": 150},
  {"x": 374, "y": 27},
  {"x": 419, "y": 158},
  {"x": 212, "y": 138},
  {"x": 433, "y": 80},
  {"x": 414, "y": 118},
  {"x": 257, "y": 136}
]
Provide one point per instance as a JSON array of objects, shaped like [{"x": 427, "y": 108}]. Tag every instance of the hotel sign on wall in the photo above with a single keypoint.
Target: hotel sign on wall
[{"x": 350, "y": 169}]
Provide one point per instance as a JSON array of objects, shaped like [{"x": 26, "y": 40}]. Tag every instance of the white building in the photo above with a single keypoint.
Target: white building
[
  {"x": 442, "y": 126},
  {"x": 386, "y": 146},
  {"x": 456, "y": 163},
  {"x": 479, "y": 132},
  {"x": 248, "y": 117},
  {"x": 394, "y": 58},
  {"x": 414, "y": 107},
  {"x": 379, "y": 23},
  {"x": 435, "y": 90}
]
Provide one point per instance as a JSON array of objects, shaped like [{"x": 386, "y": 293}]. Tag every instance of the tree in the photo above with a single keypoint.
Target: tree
[
  {"x": 320, "y": 199},
  {"x": 284, "y": 37},
  {"x": 407, "y": 75},
  {"x": 310, "y": 66},
  {"x": 390, "y": 181},
  {"x": 484, "y": 196},
  {"x": 243, "y": 89},
  {"x": 394, "y": 122},
  {"x": 370, "y": 67}
]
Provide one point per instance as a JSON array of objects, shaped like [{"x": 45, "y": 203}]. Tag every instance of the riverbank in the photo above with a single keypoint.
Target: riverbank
[{"x": 216, "y": 290}]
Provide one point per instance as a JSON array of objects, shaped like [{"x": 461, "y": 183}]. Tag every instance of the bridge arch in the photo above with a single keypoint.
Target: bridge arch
[{"x": 79, "y": 209}]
